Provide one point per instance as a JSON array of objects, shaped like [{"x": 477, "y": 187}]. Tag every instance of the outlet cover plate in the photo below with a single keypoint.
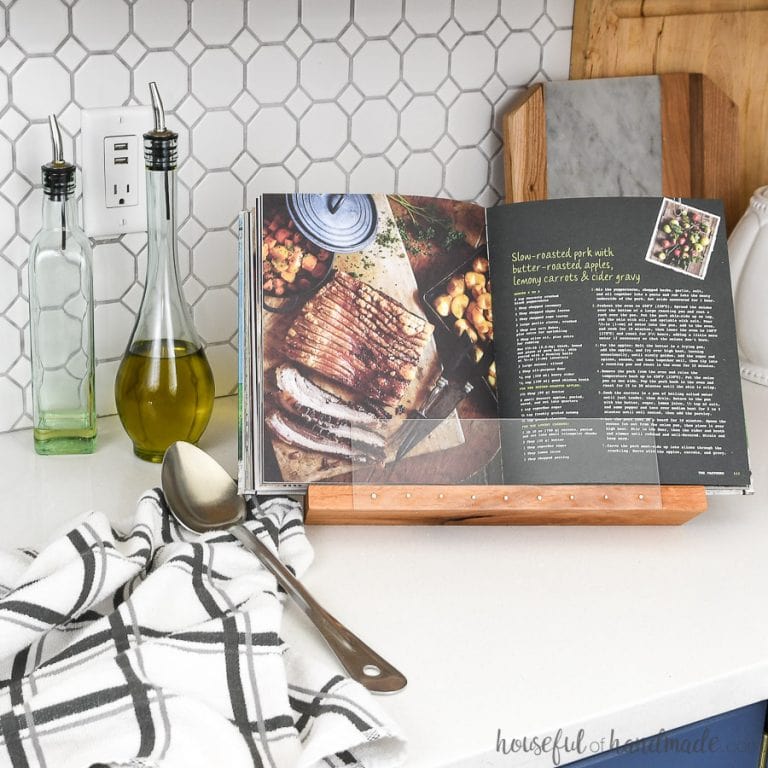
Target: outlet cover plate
[{"x": 103, "y": 215}]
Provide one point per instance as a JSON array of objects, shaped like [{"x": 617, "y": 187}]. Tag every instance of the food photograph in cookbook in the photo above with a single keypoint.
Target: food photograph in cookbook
[{"x": 360, "y": 317}]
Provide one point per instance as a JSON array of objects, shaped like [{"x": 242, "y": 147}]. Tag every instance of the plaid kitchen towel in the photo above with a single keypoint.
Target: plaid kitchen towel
[{"x": 162, "y": 648}]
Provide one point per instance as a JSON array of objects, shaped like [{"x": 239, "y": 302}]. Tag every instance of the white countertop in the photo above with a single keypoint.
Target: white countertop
[{"x": 526, "y": 630}]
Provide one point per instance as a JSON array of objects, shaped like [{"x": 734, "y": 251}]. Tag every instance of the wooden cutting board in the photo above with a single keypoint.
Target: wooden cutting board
[
  {"x": 387, "y": 268},
  {"x": 670, "y": 135},
  {"x": 727, "y": 40}
]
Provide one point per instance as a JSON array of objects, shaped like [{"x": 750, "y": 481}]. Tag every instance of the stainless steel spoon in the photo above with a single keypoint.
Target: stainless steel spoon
[{"x": 203, "y": 497}]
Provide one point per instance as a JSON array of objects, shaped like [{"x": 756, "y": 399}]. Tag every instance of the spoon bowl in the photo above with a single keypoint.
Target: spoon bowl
[
  {"x": 200, "y": 492},
  {"x": 203, "y": 497}
]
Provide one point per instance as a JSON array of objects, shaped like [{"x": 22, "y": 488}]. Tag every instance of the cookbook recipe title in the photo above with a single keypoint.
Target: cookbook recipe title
[
  {"x": 564, "y": 747},
  {"x": 569, "y": 265}
]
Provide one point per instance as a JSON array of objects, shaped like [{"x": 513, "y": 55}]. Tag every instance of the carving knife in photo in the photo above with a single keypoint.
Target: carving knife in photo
[{"x": 451, "y": 388}]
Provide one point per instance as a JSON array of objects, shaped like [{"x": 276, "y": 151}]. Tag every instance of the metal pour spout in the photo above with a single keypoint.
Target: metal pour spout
[
  {"x": 58, "y": 144},
  {"x": 157, "y": 107},
  {"x": 160, "y": 146}
]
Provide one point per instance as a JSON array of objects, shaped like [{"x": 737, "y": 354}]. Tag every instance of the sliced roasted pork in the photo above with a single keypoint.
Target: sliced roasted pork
[
  {"x": 358, "y": 336},
  {"x": 300, "y": 395},
  {"x": 327, "y": 416},
  {"x": 340, "y": 440}
]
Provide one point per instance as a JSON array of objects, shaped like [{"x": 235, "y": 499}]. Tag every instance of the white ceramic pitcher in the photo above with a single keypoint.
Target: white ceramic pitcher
[{"x": 748, "y": 249}]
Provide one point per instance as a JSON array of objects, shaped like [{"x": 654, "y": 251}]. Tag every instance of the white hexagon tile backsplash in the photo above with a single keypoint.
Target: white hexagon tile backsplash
[{"x": 267, "y": 95}]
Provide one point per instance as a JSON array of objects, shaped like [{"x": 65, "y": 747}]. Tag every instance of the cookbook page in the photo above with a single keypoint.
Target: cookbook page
[
  {"x": 620, "y": 308},
  {"x": 350, "y": 339}
]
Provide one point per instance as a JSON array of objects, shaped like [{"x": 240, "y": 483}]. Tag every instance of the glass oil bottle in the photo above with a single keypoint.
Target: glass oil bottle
[
  {"x": 164, "y": 387},
  {"x": 61, "y": 317}
]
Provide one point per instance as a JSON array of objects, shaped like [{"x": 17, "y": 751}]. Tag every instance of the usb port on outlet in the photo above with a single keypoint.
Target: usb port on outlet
[
  {"x": 121, "y": 161},
  {"x": 121, "y": 147}
]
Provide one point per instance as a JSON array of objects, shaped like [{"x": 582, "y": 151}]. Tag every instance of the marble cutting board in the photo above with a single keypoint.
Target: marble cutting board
[{"x": 657, "y": 135}]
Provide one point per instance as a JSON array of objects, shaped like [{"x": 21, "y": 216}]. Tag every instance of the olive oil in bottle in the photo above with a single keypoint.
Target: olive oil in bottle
[
  {"x": 164, "y": 387},
  {"x": 165, "y": 390}
]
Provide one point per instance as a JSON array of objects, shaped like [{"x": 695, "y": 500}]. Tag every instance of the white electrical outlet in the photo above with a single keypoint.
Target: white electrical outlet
[
  {"x": 121, "y": 170},
  {"x": 114, "y": 194}
]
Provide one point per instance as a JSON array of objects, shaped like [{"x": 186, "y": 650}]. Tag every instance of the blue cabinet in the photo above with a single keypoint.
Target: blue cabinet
[{"x": 730, "y": 740}]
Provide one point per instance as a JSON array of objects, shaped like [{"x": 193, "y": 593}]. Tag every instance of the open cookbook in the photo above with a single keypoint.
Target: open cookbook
[{"x": 375, "y": 330}]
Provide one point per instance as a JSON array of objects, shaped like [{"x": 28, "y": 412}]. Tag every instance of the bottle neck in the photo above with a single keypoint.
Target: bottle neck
[
  {"x": 161, "y": 221},
  {"x": 164, "y": 314},
  {"x": 60, "y": 214}
]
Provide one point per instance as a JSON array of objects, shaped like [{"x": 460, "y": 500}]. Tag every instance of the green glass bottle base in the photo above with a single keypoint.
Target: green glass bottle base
[{"x": 52, "y": 445}]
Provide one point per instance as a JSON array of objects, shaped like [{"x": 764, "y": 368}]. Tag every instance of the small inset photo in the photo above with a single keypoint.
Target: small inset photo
[{"x": 683, "y": 238}]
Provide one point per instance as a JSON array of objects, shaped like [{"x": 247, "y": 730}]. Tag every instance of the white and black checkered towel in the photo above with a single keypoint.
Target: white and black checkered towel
[{"x": 162, "y": 648}]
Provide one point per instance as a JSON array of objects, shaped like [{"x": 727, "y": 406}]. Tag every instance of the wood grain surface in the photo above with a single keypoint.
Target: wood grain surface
[
  {"x": 503, "y": 505},
  {"x": 525, "y": 148},
  {"x": 726, "y": 40}
]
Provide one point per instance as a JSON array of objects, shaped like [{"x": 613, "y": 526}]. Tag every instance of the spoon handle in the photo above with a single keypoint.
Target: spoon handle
[{"x": 363, "y": 663}]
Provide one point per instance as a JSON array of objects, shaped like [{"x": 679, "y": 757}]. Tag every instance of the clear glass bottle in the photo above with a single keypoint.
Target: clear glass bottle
[
  {"x": 61, "y": 317},
  {"x": 164, "y": 387}
]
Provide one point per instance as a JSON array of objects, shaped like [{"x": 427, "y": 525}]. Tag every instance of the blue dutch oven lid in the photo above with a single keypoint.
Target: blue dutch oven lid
[{"x": 340, "y": 223}]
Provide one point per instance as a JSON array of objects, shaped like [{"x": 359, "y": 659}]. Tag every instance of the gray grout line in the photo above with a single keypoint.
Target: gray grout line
[{"x": 351, "y": 29}]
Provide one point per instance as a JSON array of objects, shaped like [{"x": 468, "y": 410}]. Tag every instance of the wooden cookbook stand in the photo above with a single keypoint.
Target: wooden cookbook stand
[
  {"x": 691, "y": 107},
  {"x": 503, "y": 504},
  {"x": 396, "y": 494}
]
